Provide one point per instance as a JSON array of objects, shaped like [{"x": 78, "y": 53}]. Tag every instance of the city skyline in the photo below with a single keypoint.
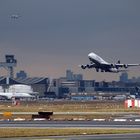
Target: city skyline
[{"x": 52, "y": 36}]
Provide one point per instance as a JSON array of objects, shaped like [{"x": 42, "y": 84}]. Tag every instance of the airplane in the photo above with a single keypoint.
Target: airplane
[
  {"x": 100, "y": 64},
  {"x": 10, "y": 95},
  {"x": 15, "y": 16}
]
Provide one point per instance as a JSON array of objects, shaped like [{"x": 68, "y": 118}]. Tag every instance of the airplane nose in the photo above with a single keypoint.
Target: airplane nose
[{"x": 90, "y": 55}]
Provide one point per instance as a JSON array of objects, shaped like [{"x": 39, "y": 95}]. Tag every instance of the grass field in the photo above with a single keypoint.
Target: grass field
[
  {"x": 69, "y": 106},
  {"x": 30, "y": 132}
]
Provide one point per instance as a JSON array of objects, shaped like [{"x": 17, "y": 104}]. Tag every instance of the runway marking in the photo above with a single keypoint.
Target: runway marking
[{"x": 50, "y": 139}]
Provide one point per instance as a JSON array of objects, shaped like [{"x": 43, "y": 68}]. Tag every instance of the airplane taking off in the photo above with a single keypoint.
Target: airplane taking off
[
  {"x": 99, "y": 64},
  {"x": 15, "y": 16}
]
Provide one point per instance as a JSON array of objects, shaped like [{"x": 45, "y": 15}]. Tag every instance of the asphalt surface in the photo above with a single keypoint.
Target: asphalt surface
[
  {"x": 83, "y": 137},
  {"x": 75, "y": 113},
  {"x": 70, "y": 124},
  {"x": 75, "y": 124}
]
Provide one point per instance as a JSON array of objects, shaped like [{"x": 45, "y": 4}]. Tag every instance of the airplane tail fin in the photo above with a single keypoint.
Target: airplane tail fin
[{"x": 118, "y": 62}]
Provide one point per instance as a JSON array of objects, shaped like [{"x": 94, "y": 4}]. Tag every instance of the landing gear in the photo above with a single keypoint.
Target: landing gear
[{"x": 97, "y": 70}]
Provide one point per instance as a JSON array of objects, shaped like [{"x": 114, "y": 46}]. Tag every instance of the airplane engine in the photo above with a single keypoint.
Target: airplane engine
[
  {"x": 89, "y": 66},
  {"x": 97, "y": 70},
  {"x": 125, "y": 66},
  {"x": 83, "y": 66},
  {"x": 113, "y": 65}
]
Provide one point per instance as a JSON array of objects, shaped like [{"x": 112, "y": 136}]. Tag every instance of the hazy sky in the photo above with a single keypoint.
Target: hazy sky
[{"x": 54, "y": 35}]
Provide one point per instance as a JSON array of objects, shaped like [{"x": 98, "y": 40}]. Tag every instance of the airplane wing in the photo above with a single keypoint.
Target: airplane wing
[
  {"x": 88, "y": 66},
  {"x": 126, "y": 65}
]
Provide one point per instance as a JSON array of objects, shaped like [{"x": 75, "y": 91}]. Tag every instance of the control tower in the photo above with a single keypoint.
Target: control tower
[{"x": 9, "y": 64}]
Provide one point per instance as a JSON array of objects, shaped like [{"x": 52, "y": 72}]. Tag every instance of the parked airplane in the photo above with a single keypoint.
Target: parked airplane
[
  {"x": 10, "y": 95},
  {"x": 99, "y": 64}
]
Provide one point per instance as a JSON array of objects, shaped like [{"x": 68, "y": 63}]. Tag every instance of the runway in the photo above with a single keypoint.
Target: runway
[
  {"x": 76, "y": 124},
  {"x": 83, "y": 137},
  {"x": 70, "y": 124},
  {"x": 75, "y": 113}
]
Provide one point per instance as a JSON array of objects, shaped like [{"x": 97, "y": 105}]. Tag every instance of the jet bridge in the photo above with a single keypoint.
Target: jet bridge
[{"x": 9, "y": 64}]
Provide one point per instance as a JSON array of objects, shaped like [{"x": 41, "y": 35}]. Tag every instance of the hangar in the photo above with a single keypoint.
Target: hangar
[{"x": 38, "y": 84}]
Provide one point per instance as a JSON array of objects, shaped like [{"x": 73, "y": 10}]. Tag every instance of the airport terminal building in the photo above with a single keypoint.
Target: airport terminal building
[{"x": 38, "y": 84}]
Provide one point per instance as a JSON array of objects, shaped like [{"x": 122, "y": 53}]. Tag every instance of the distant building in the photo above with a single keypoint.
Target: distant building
[
  {"x": 69, "y": 75},
  {"x": 124, "y": 77},
  {"x": 38, "y": 84},
  {"x": 21, "y": 74},
  {"x": 135, "y": 79},
  {"x": 73, "y": 77},
  {"x": 82, "y": 96},
  {"x": 78, "y": 77},
  {"x": 63, "y": 92},
  {"x": 86, "y": 86}
]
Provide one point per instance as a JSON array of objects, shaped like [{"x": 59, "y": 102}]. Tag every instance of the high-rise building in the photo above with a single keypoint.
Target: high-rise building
[
  {"x": 73, "y": 77},
  {"x": 69, "y": 75},
  {"x": 124, "y": 77}
]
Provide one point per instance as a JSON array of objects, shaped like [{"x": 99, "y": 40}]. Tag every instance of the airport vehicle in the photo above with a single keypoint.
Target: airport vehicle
[
  {"x": 10, "y": 95},
  {"x": 100, "y": 64}
]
